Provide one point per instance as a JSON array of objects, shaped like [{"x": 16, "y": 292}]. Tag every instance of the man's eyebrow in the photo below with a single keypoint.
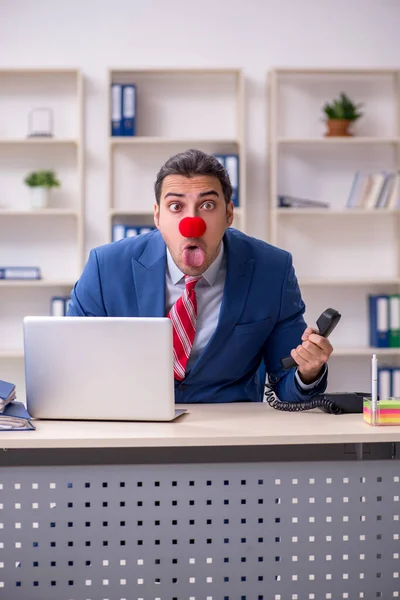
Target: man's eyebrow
[
  {"x": 209, "y": 193},
  {"x": 175, "y": 194},
  {"x": 201, "y": 195}
]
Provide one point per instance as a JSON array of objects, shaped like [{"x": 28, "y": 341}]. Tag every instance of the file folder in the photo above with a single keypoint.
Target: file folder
[
  {"x": 116, "y": 109},
  {"x": 128, "y": 110},
  {"x": 379, "y": 321}
]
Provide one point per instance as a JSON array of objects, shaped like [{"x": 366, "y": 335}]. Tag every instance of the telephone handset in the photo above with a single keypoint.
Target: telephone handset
[
  {"x": 326, "y": 323},
  {"x": 335, "y": 403}
]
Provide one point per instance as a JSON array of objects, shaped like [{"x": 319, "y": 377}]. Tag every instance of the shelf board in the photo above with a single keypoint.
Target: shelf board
[
  {"x": 144, "y": 139},
  {"x": 15, "y": 353},
  {"x": 41, "y": 71},
  {"x": 334, "y": 71},
  {"x": 39, "y": 141},
  {"x": 43, "y": 212},
  {"x": 338, "y": 281},
  {"x": 177, "y": 71},
  {"x": 118, "y": 212},
  {"x": 40, "y": 283},
  {"x": 328, "y": 212},
  {"x": 365, "y": 351},
  {"x": 332, "y": 141}
]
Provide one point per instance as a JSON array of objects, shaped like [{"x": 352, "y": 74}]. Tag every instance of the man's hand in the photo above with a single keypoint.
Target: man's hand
[{"x": 311, "y": 355}]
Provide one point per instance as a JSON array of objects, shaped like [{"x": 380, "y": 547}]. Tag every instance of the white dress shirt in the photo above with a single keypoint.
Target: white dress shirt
[{"x": 209, "y": 291}]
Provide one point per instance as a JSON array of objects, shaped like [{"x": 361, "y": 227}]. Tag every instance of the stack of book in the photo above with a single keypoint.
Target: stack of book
[
  {"x": 285, "y": 201},
  {"x": 375, "y": 190},
  {"x": 13, "y": 415},
  {"x": 20, "y": 273}
]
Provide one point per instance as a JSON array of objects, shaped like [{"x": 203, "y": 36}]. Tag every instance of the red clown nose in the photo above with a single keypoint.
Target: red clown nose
[{"x": 192, "y": 227}]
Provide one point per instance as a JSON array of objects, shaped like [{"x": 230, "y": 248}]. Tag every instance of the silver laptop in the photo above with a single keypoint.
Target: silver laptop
[{"x": 102, "y": 368}]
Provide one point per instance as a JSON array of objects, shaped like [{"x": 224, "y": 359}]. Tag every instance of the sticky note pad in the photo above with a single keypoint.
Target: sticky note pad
[{"x": 388, "y": 411}]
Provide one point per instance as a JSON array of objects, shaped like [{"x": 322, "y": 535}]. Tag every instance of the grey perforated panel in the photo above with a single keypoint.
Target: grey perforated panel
[{"x": 263, "y": 531}]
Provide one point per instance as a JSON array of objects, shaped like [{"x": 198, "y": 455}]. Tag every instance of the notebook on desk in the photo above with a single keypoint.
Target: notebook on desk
[{"x": 100, "y": 368}]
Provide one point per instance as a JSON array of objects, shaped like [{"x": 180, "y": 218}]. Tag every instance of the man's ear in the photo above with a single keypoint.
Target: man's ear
[
  {"x": 229, "y": 213},
  {"x": 156, "y": 209}
]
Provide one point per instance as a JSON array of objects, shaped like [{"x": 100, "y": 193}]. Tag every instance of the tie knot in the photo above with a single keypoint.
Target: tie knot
[{"x": 190, "y": 282}]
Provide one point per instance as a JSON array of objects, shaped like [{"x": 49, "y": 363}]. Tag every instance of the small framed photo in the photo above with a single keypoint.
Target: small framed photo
[{"x": 40, "y": 123}]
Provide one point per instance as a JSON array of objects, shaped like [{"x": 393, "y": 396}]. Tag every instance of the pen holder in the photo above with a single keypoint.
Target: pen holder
[{"x": 387, "y": 411}]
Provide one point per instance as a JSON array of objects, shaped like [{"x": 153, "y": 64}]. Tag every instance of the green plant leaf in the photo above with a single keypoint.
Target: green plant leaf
[
  {"x": 342, "y": 108},
  {"x": 42, "y": 178}
]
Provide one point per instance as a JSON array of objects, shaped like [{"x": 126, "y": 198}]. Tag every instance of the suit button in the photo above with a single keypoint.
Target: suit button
[{"x": 182, "y": 387}]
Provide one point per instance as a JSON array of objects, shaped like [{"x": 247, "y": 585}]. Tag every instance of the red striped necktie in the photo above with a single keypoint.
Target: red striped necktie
[{"x": 183, "y": 315}]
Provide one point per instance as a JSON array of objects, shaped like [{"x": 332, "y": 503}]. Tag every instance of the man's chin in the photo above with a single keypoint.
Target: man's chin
[{"x": 193, "y": 271}]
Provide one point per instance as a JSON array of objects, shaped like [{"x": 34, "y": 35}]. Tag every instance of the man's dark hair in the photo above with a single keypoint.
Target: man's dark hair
[{"x": 191, "y": 163}]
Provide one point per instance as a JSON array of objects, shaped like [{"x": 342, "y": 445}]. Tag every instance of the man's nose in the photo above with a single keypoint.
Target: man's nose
[{"x": 193, "y": 211}]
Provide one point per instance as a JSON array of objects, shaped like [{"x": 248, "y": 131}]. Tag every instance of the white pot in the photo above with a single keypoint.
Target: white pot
[{"x": 39, "y": 197}]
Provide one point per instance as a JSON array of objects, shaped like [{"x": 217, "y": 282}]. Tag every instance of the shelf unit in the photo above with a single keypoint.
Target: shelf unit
[
  {"x": 51, "y": 238},
  {"x": 340, "y": 255},
  {"x": 176, "y": 109},
  {"x": 337, "y": 141},
  {"x": 363, "y": 351}
]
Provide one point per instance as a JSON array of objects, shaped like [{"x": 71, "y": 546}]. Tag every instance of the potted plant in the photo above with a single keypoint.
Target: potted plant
[
  {"x": 341, "y": 113},
  {"x": 41, "y": 183}
]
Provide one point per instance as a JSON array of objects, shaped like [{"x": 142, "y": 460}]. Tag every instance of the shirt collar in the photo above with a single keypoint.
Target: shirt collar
[{"x": 209, "y": 275}]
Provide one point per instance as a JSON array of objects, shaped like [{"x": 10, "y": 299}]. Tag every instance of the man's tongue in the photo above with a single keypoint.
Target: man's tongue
[{"x": 193, "y": 257}]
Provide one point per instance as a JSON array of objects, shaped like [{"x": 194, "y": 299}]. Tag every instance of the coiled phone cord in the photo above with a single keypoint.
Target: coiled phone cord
[{"x": 317, "y": 402}]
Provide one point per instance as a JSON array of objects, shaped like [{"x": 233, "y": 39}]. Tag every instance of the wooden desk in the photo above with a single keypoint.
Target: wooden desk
[
  {"x": 231, "y": 501},
  {"x": 239, "y": 424}
]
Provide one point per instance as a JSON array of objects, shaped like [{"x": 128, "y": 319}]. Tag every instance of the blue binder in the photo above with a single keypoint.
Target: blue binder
[
  {"x": 20, "y": 273},
  {"x": 232, "y": 166},
  {"x": 220, "y": 158},
  {"x": 118, "y": 232},
  {"x": 129, "y": 110},
  {"x": 116, "y": 109},
  {"x": 57, "y": 306},
  {"x": 131, "y": 231},
  {"x": 231, "y": 163},
  {"x": 379, "y": 320},
  {"x": 385, "y": 382}
]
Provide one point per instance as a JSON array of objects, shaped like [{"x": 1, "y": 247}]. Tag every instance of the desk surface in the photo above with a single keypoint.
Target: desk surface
[{"x": 239, "y": 424}]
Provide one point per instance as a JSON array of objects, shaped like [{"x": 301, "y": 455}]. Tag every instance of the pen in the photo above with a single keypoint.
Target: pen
[{"x": 374, "y": 396}]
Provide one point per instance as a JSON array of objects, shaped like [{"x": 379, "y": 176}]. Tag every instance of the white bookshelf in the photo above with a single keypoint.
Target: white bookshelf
[
  {"x": 37, "y": 283},
  {"x": 43, "y": 212},
  {"x": 50, "y": 238},
  {"x": 349, "y": 282},
  {"x": 177, "y": 109},
  {"x": 327, "y": 213},
  {"x": 39, "y": 141},
  {"x": 11, "y": 354},
  {"x": 338, "y": 141},
  {"x": 364, "y": 351},
  {"x": 340, "y": 255}
]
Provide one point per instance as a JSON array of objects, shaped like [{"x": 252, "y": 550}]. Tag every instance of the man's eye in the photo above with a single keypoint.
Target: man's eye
[
  {"x": 208, "y": 205},
  {"x": 175, "y": 206}
]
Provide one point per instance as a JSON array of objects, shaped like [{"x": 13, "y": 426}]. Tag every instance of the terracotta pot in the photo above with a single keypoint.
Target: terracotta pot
[{"x": 338, "y": 127}]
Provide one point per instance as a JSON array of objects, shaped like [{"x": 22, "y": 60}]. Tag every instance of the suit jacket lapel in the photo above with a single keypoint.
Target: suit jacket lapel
[
  {"x": 149, "y": 278},
  {"x": 240, "y": 265}
]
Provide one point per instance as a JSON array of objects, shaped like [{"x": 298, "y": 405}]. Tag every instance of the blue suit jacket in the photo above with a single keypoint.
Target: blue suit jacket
[{"x": 261, "y": 316}]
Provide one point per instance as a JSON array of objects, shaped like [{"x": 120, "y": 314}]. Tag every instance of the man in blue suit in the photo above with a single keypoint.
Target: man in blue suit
[{"x": 249, "y": 306}]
